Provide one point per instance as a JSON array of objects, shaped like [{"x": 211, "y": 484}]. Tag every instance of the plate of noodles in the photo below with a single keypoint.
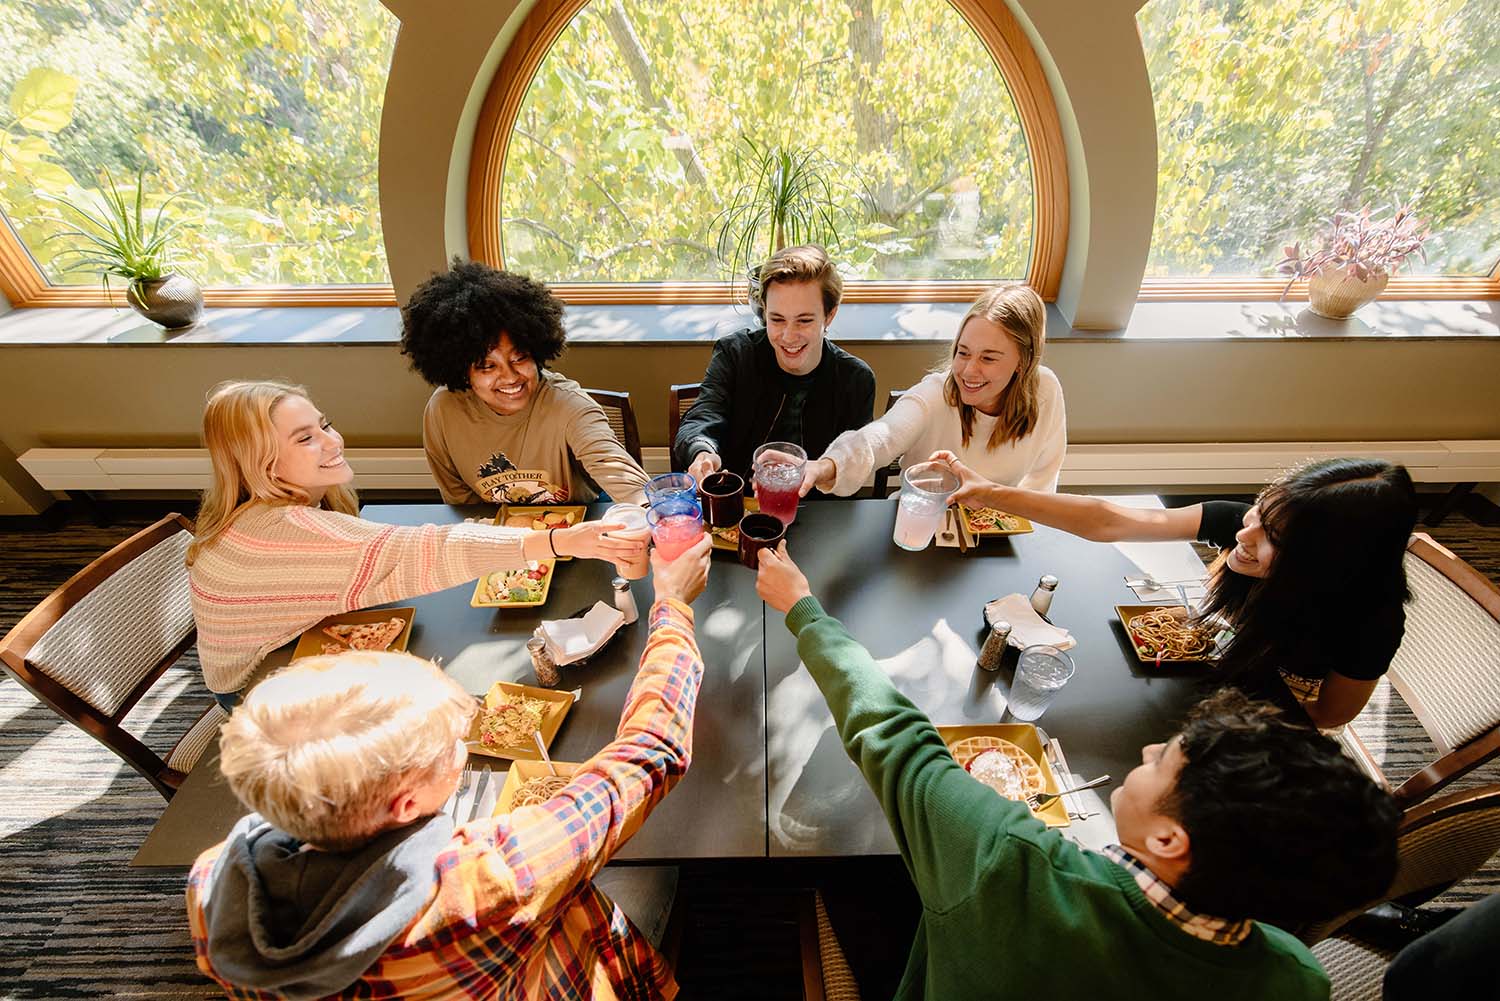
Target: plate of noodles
[
  {"x": 989, "y": 521},
  {"x": 1162, "y": 634},
  {"x": 510, "y": 714},
  {"x": 529, "y": 783},
  {"x": 1008, "y": 758}
]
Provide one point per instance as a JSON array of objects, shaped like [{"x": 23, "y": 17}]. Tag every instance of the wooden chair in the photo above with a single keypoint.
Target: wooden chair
[
  {"x": 825, "y": 972},
  {"x": 680, "y": 399},
  {"x": 1448, "y": 666},
  {"x": 1439, "y": 843},
  {"x": 621, "y": 416},
  {"x": 883, "y": 474},
  {"x": 98, "y": 643}
]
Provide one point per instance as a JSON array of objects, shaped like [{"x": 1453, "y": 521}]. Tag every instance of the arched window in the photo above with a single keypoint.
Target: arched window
[
  {"x": 1273, "y": 116},
  {"x": 263, "y": 118},
  {"x": 626, "y": 146}
]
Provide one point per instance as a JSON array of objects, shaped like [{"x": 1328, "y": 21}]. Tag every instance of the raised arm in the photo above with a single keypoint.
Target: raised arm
[
  {"x": 854, "y": 455},
  {"x": 1087, "y": 517},
  {"x": 950, "y": 829},
  {"x": 547, "y": 850},
  {"x": 592, "y": 441},
  {"x": 706, "y": 423}
]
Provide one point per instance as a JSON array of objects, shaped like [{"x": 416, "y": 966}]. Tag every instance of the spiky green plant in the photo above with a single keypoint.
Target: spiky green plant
[
  {"x": 783, "y": 195},
  {"x": 122, "y": 238}
]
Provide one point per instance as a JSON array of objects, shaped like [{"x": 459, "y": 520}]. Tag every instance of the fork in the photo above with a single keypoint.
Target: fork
[
  {"x": 1038, "y": 800},
  {"x": 463, "y": 787}
]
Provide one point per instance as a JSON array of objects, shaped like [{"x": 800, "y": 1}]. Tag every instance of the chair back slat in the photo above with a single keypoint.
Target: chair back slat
[
  {"x": 680, "y": 399},
  {"x": 113, "y": 637},
  {"x": 1448, "y": 665}
]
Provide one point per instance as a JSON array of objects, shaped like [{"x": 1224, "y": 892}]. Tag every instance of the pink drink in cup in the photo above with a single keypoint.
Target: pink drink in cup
[
  {"x": 633, "y": 517},
  {"x": 777, "y": 476},
  {"x": 675, "y": 530}
]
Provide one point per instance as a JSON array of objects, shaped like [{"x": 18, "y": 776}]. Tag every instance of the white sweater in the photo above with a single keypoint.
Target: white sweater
[{"x": 921, "y": 422}]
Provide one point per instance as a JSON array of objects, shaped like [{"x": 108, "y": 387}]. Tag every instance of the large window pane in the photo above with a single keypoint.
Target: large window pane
[
  {"x": 266, "y": 114},
  {"x": 623, "y": 154},
  {"x": 1272, "y": 115}
]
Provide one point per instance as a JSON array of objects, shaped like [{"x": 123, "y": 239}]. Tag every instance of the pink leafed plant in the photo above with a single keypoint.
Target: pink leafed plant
[{"x": 1366, "y": 245}]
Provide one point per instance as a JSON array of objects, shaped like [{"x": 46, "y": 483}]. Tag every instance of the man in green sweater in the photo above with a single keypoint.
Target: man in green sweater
[{"x": 1238, "y": 819}]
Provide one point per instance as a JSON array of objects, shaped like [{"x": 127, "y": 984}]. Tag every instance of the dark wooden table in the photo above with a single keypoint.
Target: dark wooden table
[
  {"x": 921, "y": 616},
  {"x": 716, "y": 812}
]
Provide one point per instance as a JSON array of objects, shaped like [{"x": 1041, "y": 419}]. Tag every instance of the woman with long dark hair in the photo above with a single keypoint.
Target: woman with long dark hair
[{"x": 1310, "y": 576}]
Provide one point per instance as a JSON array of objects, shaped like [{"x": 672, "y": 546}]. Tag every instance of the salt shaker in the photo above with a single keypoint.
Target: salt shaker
[
  {"x": 1041, "y": 598},
  {"x": 547, "y": 674},
  {"x": 624, "y": 600},
  {"x": 994, "y": 646}
]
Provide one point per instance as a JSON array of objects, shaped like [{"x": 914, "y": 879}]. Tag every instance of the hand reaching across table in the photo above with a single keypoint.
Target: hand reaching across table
[
  {"x": 818, "y": 473},
  {"x": 779, "y": 582},
  {"x": 684, "y": 577},
  {"x": 703, "y": 464},
  {"x": 590, "y": 541}
]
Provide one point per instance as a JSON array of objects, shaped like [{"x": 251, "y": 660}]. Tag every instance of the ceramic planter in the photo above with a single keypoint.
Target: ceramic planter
[
  {"x": 171, "y": 300},
  {"x": 1336, "y": 293}
]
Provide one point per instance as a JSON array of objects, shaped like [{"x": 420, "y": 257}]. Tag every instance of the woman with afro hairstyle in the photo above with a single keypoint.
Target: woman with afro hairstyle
[{"x": 500, "y": 427}]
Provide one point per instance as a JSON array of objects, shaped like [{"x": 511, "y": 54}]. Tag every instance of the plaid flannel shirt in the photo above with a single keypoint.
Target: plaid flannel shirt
[
  {"x": 514, "y": 913},
  {"x": 1219, "y": 931}
]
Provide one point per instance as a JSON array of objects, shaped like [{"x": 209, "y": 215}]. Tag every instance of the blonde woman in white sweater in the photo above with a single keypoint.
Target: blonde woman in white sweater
[
  {"x": 994, "y": 405},
  {"x": 280, "y": 546}
]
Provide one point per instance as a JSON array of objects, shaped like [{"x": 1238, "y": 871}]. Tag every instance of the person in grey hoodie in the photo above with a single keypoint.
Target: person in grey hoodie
[{"x": 349, "y": 880}]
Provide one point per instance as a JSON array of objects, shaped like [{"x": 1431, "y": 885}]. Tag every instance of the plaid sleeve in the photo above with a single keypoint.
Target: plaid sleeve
[{"x": 529, "y": 861}]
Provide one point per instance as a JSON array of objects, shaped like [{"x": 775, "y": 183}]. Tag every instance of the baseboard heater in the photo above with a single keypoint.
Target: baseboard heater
[{"x": 1207, "y": 465}]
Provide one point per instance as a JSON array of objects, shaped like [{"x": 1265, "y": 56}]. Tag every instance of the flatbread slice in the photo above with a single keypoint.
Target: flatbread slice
[
  {"x": 999, "y": 764},
  {"x": 367, "y": 635}
]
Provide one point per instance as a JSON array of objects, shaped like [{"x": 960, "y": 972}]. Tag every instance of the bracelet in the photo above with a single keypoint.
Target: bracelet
[{"x": 549, "y": 542}]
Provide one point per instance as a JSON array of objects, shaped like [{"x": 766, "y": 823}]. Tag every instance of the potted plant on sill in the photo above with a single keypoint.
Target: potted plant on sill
[
  {"x": 783, "y": 195},
  {"x": 1357, "y": 257},
  {"x": 123, "y": 239}
]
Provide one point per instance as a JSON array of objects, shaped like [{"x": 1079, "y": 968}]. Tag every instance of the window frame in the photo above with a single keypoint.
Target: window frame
[{"x": 998, "y": 31}]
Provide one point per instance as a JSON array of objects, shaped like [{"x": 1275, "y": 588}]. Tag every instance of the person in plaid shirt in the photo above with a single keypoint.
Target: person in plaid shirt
[{"x": 349, "y": 880}]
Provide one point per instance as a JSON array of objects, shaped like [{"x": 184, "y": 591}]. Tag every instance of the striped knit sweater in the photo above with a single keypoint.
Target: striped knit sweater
[{"x": 277, "y": 570}]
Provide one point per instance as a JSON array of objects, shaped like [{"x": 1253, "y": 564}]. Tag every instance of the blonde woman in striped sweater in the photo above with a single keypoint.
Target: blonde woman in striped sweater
[{"x": 280, "y": 545}]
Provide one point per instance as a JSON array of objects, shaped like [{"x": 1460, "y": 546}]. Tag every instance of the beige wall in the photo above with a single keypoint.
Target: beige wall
[{"x": 1132, "y": 391}]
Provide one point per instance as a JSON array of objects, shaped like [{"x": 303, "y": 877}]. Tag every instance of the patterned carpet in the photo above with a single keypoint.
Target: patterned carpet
[{"x": 81, "y": 924}]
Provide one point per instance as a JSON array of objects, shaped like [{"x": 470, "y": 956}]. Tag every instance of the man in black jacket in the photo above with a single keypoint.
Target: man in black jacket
[{"x": 784, "y": 381}]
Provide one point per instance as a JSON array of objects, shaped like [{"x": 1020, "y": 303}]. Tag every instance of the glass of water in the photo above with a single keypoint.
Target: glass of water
[{"x": 1040, "y": 672}]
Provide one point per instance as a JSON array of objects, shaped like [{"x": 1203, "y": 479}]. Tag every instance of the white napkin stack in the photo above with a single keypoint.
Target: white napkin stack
[
  {"x": 1027, "y": 627},
  {"x": 571, "y": 640}
]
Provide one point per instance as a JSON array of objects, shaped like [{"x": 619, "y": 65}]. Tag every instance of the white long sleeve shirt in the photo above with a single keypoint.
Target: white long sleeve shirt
[{"x": 921, "y": 422}]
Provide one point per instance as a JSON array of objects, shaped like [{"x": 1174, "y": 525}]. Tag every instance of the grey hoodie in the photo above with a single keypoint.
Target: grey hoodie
[{"x": 307, "y": 923}]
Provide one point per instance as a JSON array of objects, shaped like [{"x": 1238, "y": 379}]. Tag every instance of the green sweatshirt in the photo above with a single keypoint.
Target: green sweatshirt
[{"x": 1009, "y": 908}]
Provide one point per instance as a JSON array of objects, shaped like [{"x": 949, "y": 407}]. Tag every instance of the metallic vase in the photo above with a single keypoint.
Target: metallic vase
[{"x": 171, "y": 300}]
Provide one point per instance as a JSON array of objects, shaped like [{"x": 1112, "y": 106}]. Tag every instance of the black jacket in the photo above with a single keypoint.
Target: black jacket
[{"x": 742, "y": 395}]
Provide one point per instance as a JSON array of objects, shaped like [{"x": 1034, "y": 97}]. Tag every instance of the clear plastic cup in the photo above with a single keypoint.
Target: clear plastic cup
[
  {"x": 777, "y": 476},
  {"x": 1040, "y": 673},
  {"x": 633, "y": 517},
  {"x": 676, "y": 527},
  {"x": 925, "y": 489},
  {"x": 669, "y": 485}
]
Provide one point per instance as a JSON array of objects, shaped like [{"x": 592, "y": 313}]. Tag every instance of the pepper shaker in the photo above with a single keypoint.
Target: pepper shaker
[
  {"x": 547, "y": 674},
  {"x": 1041, "y": 598},
  {"x": 624, "y": 600},
  {"x": 994, "y": 646}
]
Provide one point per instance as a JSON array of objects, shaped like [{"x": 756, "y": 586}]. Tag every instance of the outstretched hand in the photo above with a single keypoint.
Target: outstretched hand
[
  {"x": 779, "y": 582},
  {"x": 685, "y": 576},
  {"x": 703, "y": 465},
  {"x": 818, "y": 473},
  {"x": 973, "y": 490},
  {"x": 590, "y": 541}
]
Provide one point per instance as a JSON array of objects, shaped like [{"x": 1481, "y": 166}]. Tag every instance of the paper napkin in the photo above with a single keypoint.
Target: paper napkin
[
  {"x": 1027, "y": 627},
  {"x": 571, "y": 640}
]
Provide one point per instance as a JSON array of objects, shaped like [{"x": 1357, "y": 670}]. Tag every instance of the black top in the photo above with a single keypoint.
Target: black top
[
  {"x": 1221, "y": 520},
  {"x": 1362, "y": 654},
  {"x": 744, "y": 396}
]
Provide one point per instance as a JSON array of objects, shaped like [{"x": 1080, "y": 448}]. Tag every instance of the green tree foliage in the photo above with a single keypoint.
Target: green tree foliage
[
  {"x": 623, "y": 154},
  {"x": 268, "y": 114},
  {"x": 1273, "y": 115}
]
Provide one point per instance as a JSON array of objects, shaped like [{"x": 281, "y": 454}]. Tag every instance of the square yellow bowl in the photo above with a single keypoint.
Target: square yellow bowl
[
  {"x": 540, "y": 517},
  {"x": 487, "y": 589},
  {"x": 990, "y": 521},
  {"x": 1023, "y": 735},
  {"x": 558, "y": 704},
  {"x": 522, "y": 772},
  {"x": 311, "y": 642},
  {"x": 1127, "y": 614}
]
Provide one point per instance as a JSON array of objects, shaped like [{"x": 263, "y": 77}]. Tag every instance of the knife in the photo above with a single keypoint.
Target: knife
[{"x": 484, "y": 781}]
